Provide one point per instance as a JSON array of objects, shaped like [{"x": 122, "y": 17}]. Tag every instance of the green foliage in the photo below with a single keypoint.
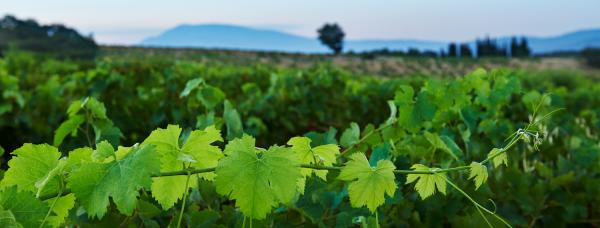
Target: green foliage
[
  {"x": 23, "y": 206},
  {"x": 30, "y": 166},
  {"x": 197, "y": 152},
  {"x": 94, "y": 182},
  {"x": 322, "y": 155},
  {"x": 478, "y": 173},
  {"x": 350, "y": 135},
  {"x": 369, "y": 184},
  {"x": 233, "y": 121},
  {"x": 258, "y": 180},
  {"x": 427, "y": 183},
  {"x": 498, "y": 157},
  {"x": 438, "y": 122}
]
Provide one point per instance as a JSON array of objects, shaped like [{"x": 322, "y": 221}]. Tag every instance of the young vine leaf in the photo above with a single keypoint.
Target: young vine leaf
[
  {"x": 61, "y": 209},
  {"x": 103, "y": 150},
  {"x": 324, "y": 154},
  {"x": 369, "y": 184},
  {"x": 68, "y": 127},
  {"x": 427, "y": 183},
  {"x": 94, "y": 182},
  {"x": 350, "y": 136},
  {"x": 257, "y": 180},
  {"x": 478, "y": 173},
  {"x": 499, "y": 157},
  {"x": 30, "y": 164},
  {"x": 197, "y": 150}
]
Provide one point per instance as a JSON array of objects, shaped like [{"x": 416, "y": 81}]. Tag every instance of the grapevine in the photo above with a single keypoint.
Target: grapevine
[{"x": 170, "y": 163}]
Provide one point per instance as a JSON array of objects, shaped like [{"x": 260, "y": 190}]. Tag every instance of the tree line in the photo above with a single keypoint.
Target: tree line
[
  {"x": 55, "y": 40},
  {"x": 332, "y": 36}
]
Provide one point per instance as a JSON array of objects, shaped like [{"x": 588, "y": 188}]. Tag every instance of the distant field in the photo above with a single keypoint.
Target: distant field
[{"x": 380, "y": 66}]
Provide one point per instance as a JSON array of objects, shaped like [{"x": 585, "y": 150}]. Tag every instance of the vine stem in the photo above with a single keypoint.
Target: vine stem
[
  {"x": 60, "y": 191},
  {"x": 477, "y": 205},
  {"x": 377, "y": 218},
  {"x": 307, "y": 166},
  {"x": 187, "y": 184}
]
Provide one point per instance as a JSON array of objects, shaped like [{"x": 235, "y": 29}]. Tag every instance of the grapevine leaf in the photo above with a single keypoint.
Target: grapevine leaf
[
  {"x": 499, "y": 157},
  {"x": 369, "y": 184},
  {"x": 350, "y": 136},
  {"x": 198, "y": 148},
  {"x": 103, "y": 150},
  {"x": 68, "y": 127},
  {"x": 438, "y": 143},
  {"x": 210, "y": 96},
  {"x": 61, "y": 209},
  {"x": 233, "y": 121},
  {"x": 56, "y": 172},
  {"x": 93, "y": 183},
  {"x": 30, "y": 164},
  {"x": 393, "y": 110},
  {"x": 26, "y": 209},
  {"x": 478, "y": 174},
  {"x": 8, "y": 220},
  {"x": 324, "y": 154},
  {"x": 77, "y": 157},
  {"x": 427, "y": 183},
  {"x": 189, "y": 86},
  {"x": 74, "y": 108},
  {"x": 257, "y": 180},
  {"x": 96, "y": 108}
]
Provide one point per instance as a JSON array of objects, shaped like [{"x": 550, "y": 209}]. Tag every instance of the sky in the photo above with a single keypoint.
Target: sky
[{"x": 130, "y": 21}]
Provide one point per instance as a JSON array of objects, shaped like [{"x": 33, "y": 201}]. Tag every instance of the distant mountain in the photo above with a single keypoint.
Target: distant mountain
[{"x": 245, "y": 38}]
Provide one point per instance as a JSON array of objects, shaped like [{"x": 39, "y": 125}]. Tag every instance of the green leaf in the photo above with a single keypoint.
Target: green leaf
[
  {"x": 26, "y": 209},
  {"x": 323, "y": 155},
  {"x": 427, "y": 183},
  {"x": 350, "y": 136},
  {"x": 68, "y": 127},
  {"x": 93, "y": 183},
  {"x": 478, "y": 174},
  {"x": 190, "y": 85},
  {"x": 438, "y": 143},
  {"x": 103, "y": 150},
  {"x": 55, "y": 174},
  {"x": 233, "y": 121},
  {"x": 8, "y": 220},
  {"x": 30, "y": 164},
  {"x": 369, "y": 184},
  {"x": 61, "y": 209},
  {"x": 105, "y": 130},
  {"x": 167, "y": 190},
  {"x": 499, "y": 157},
  {"x": 393, "y": 110},
  {"x": 74, "y": 108},
  {"x": 210, "y": 96},
  {"x": 256, "y": 180},
  {"x": 96, "y": 108}
]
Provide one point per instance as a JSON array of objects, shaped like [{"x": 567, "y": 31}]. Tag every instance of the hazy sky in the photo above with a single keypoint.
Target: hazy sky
[{"x": 128, "y": 22}]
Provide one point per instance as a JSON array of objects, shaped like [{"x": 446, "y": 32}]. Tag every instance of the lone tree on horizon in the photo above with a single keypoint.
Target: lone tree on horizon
[{"x": 332, "y": 36}]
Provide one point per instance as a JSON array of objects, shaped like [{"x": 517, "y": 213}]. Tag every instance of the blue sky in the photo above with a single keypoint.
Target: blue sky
[{"x": 128, "y": 22}]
